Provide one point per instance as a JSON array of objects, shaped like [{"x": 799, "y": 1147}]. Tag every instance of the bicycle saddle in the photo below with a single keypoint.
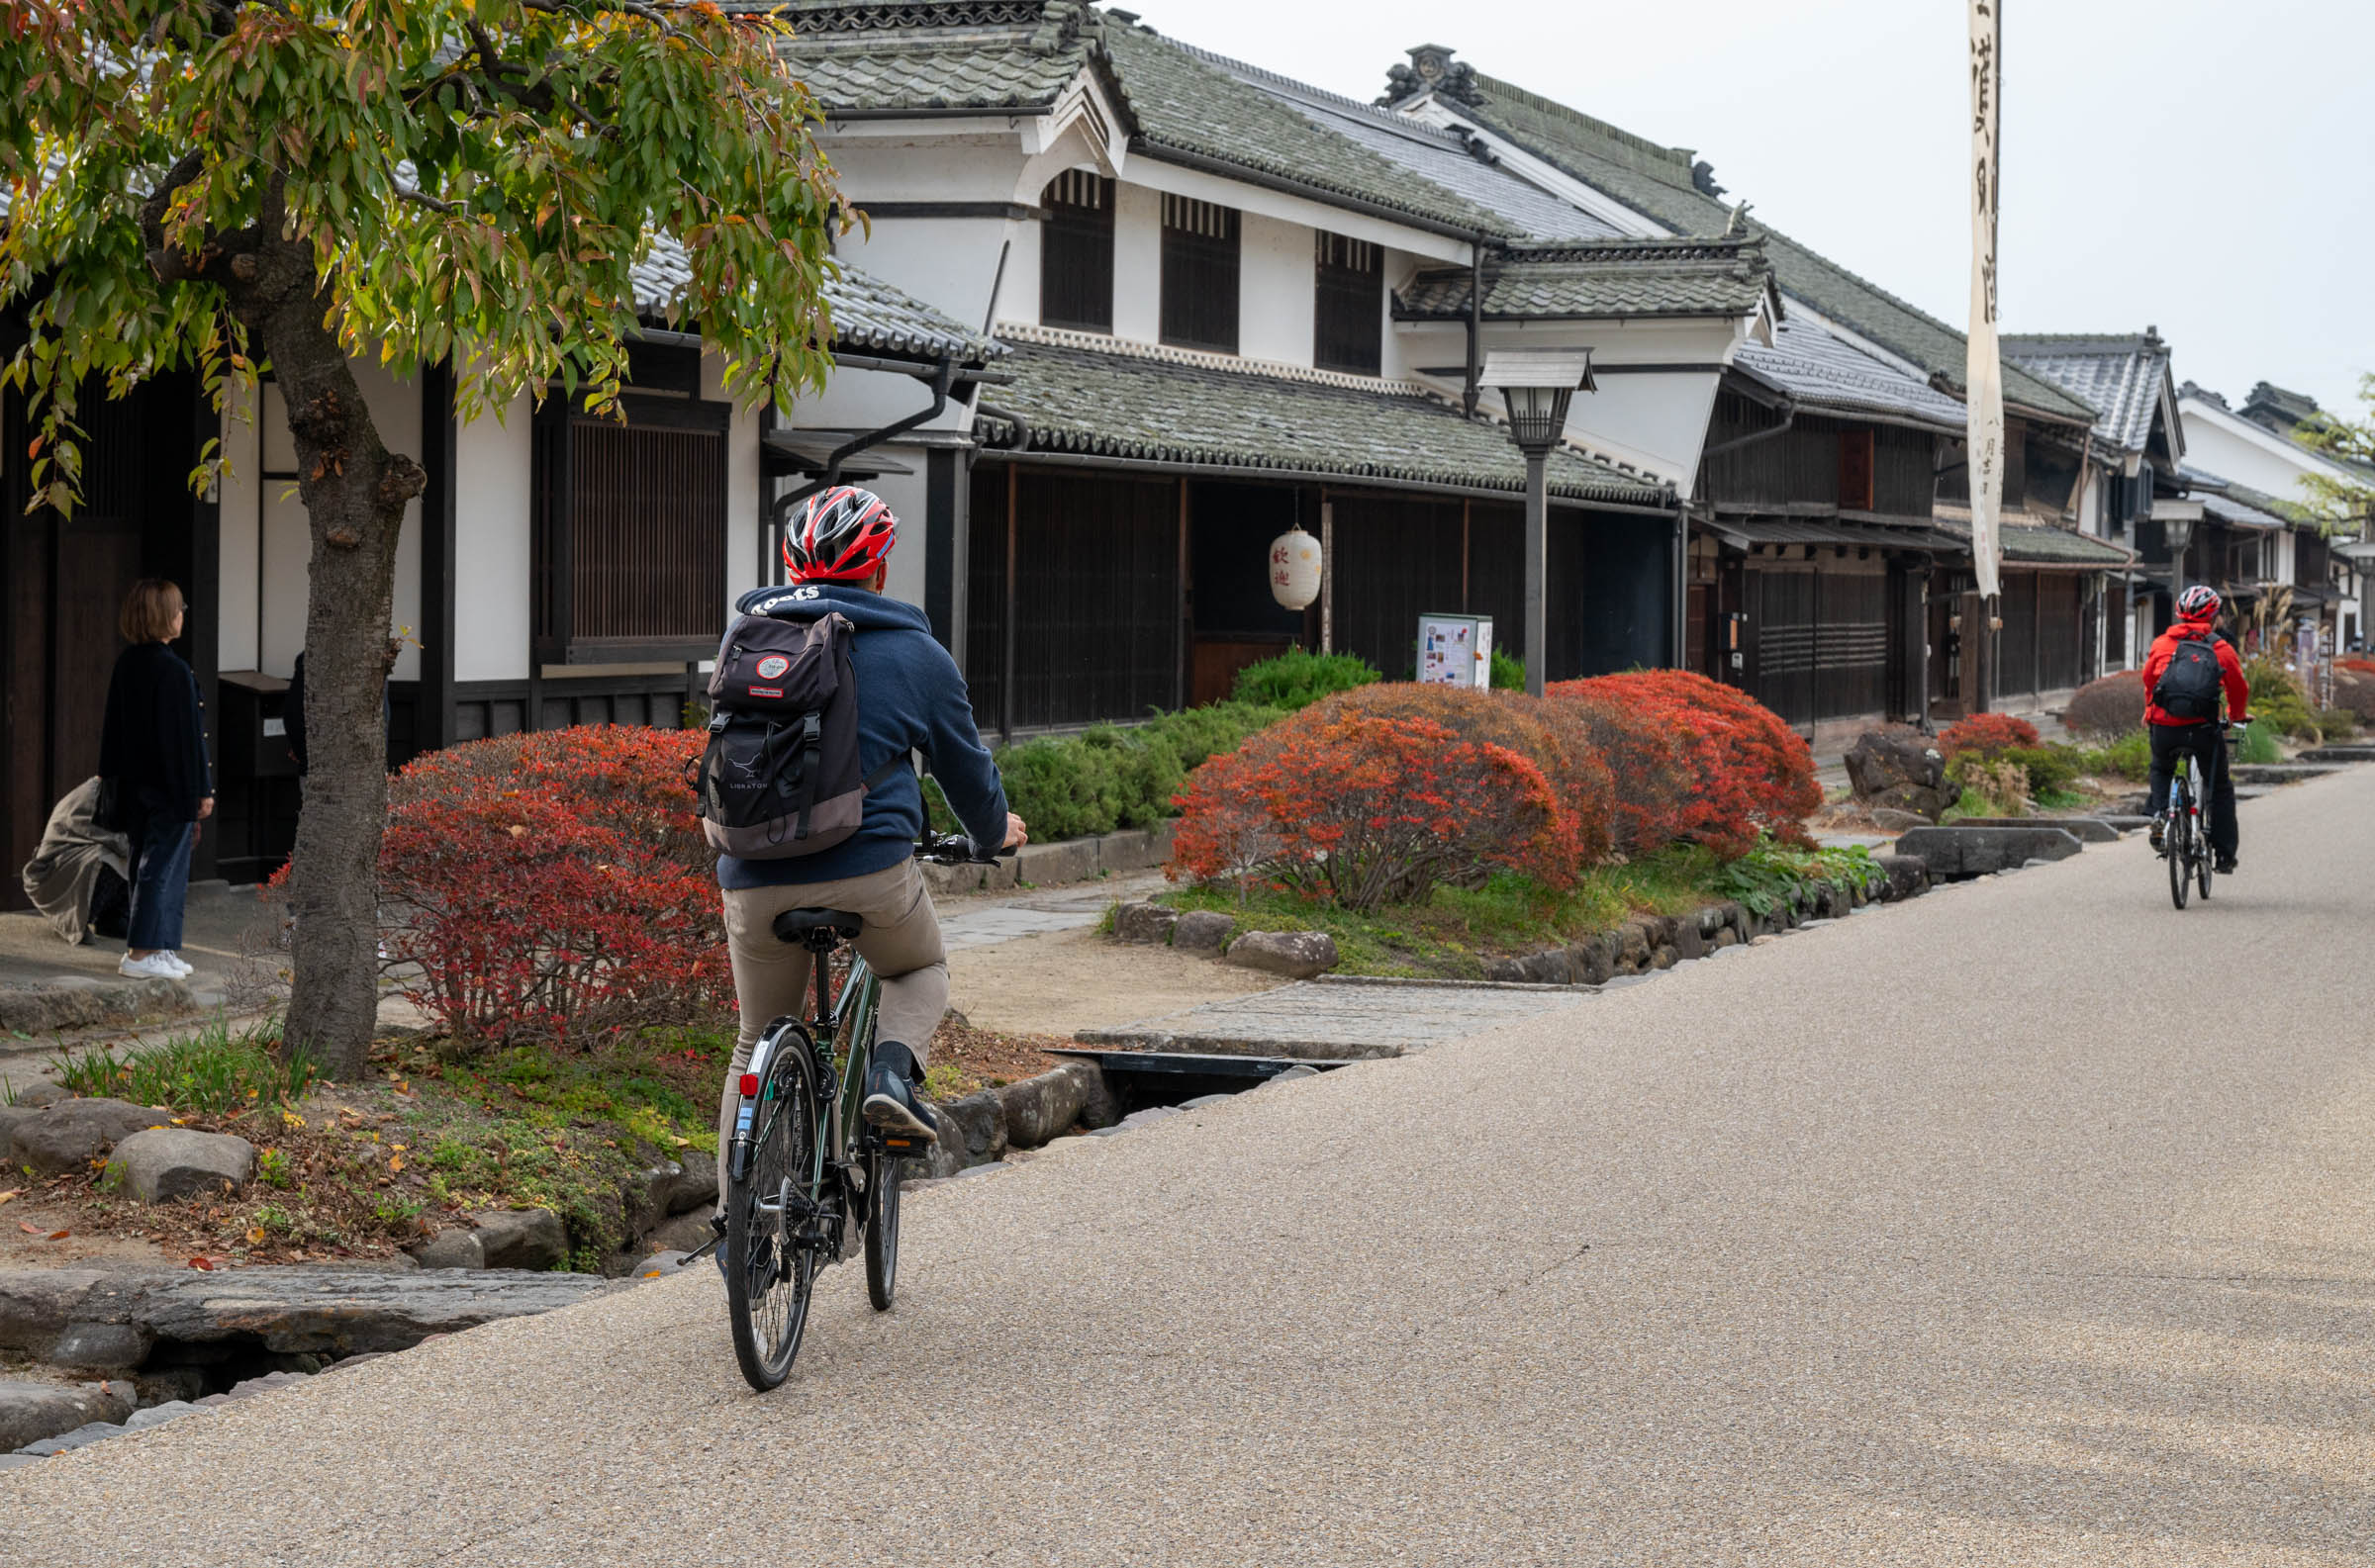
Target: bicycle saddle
[{"x": 817, "y": 928}]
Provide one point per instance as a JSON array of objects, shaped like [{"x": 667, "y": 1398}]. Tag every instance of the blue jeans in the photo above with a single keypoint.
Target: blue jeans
[{"x": 160, "y": 881}]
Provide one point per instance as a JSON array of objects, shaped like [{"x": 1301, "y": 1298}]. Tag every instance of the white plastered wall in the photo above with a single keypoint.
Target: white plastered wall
[
  {"x": 1137, "y": 265},
  {"x": 1277, "y": 291},
  {"x": 267, "y": 540},
  {"x": 493, "y": 463}
]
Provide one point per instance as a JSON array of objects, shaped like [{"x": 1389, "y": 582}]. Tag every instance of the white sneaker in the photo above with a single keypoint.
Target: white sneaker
[
  {"x": 184, "y": 965},
  {"x": 156, "y": 966}
]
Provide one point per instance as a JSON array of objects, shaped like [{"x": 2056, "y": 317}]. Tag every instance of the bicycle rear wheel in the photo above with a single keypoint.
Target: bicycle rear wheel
[
  {"x": 883, "y": 1174},
  {"x": 2204, "y": 859},
  {"x": 2180, "y": 836},
  {"x": 768, "y": 1270}
]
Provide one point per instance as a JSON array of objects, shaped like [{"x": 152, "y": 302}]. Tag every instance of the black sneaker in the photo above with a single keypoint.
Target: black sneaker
[
  {"x": 2226, "y": 865},
  {"x": 2154, "y": 834},
  {"x": 891, "y": 1102}
]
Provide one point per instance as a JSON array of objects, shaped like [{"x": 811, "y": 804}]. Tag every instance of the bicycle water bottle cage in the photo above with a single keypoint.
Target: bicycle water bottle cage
[{"x": 817, "y": 930}]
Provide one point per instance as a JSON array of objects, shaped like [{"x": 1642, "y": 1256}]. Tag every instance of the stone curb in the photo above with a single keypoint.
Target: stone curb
[
  {"x": 45, "y": 1009},
  {"x": 1057, "y": 865}
]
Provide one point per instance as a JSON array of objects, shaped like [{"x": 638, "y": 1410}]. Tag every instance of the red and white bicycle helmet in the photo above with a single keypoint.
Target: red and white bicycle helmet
[
  {"x": 840, "y": 536},
  {"x": 2199, "y": 603}
]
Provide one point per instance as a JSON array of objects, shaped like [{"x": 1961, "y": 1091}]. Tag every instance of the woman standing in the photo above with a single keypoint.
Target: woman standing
[{"x": 155, "y": 777}]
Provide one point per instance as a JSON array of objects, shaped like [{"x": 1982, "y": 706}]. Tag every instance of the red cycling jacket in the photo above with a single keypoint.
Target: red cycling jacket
[{"x": 2231, "y": 670}]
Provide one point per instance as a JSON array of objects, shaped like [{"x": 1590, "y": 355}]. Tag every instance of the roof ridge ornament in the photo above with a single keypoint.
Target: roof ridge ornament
[{"x": 1432, "y": 69}]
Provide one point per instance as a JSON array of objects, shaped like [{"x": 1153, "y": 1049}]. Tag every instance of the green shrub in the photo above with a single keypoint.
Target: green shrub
[
  {"x": 1296, "y": 678},
  {"x": 2050, "y": 767},
  {"x": 1111, "y": 777},
  {"x": 2336, "y": 724},
  {"x": 1509, "y": 675},
  {"x": 2128, "y": 757},
  {"x": 213, "y": 1072},
  {"x": 2257, "y": 744}
]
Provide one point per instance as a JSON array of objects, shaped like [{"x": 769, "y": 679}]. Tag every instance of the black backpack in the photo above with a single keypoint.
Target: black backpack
[
  {"x": 780, "y": 778},
  {"x": 2189, "y": 688}
]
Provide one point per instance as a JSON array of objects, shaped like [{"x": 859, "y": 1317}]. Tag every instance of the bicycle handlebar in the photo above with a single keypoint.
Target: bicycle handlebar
[{"x": 954, "y": 849}]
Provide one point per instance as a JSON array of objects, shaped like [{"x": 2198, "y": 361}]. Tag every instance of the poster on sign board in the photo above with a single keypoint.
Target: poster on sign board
[{"x": 1455, "y": 650}]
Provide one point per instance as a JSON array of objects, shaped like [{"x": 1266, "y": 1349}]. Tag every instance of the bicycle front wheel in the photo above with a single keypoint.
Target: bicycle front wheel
[
  {"x": 769, "y": 1269},
  {"x": 883, "y": 1172},
  {"x": 2204, "y": 861}
]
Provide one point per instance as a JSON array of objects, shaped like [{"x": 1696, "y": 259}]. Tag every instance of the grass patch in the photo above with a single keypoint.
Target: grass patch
[
  {"x": 1453, "y": 933},
  {"x": 213, "y": 1072},
  {"x": 2257, "y": 744}
]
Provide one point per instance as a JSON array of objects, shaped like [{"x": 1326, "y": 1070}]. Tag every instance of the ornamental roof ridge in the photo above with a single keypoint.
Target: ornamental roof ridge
[
  {"x": 813, "y": 16},
  {"x": 1717, "y": 248}
]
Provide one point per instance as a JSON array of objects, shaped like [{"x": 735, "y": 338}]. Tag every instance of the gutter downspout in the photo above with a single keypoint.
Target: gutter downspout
[
  {"x": 942, "y": 377},
  {"x": 1476, "y": 319}
]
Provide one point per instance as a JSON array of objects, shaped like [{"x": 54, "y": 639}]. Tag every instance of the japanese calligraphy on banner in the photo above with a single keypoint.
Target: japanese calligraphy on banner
[{"x": 1983, "y": 373}]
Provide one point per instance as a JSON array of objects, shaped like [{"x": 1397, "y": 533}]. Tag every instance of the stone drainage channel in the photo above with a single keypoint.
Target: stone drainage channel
[{"x": 160, "y": 1345}]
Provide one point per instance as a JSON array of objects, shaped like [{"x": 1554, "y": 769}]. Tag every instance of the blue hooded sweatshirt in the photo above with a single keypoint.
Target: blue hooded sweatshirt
[{"x": 910, "y": 697}]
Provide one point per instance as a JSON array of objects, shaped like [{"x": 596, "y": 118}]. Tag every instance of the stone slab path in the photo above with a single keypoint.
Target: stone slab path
[
  {"x": 1942, "y": 1234},
  {"x": 985, "y": 919},
  {"x": 1338, "y": 1018}
]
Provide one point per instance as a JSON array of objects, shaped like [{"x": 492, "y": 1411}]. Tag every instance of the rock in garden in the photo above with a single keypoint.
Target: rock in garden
[
  {"x": 31, "y": 1412},
  {"x": 166, "y": 1163},
  {"x": 1202, "y": 931},
  {"x": 695, "y": 1184},
  {"x": 1297, "y": 955},
  {"x": 531, "y": 1239},
  {"x": 1976, "y": 852},
  {"x": 339, "y": 1312},
  {"x": 1908, "y": 877},
  {"x": 99, "y": 1347},
  {"x": 80, "y": 1438},
  {"x": 1043, "y": 1107},
  {"x": 1891, "y": 820},
  {"x": 72, "y": 1134},
  {"x": 974, "y": 1125},
  {"x": 40, "y": 1093},
  {"x": 453, "y": 1249},
  {"x": 1902, "y": 768},
  {"x": 1144, "y": 922}
]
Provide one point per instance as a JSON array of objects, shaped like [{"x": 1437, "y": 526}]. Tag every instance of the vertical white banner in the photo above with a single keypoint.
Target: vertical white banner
[{"x": 1983, "y": 373}]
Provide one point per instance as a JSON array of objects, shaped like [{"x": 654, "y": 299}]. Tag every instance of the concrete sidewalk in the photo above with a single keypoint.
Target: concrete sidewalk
[{"x": 1929, "y": 1237}]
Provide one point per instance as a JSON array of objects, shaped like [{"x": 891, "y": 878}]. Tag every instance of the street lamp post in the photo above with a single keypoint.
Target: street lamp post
[
  {"x": 1536, "y": 385},
  {"x": 2177, "y": 530}
]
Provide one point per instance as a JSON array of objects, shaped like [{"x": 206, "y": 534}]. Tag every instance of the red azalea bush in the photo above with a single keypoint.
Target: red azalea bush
[
  {"x": 1650, "y": 767},
  {"x": 1568, "y": 757},
  {"x": 1991, "y": 735},
  {"x": 1362, "y": 812},
  {"x": 1747, "y": 772},
  {"x": 553, "y": 887},
  {"x": 2103, "y": 710},
  {"x": 2354, "y": 690}
]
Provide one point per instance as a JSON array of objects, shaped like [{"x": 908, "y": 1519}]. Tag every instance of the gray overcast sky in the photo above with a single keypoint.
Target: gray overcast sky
[{"x": 2207, "y": 166}]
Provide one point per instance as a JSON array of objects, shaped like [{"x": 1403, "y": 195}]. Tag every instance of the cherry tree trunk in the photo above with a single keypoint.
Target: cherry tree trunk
[{"x": 355, "y": 491}]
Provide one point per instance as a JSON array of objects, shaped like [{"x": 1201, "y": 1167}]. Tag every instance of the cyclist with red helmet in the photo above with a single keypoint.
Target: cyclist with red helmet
[
  {"x": 910, "y": 699},
  {"x": 2189, "y": 668}
]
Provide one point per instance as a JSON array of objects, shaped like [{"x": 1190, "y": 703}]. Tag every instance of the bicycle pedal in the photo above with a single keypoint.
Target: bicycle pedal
[{"x": 902, "y": 1145}]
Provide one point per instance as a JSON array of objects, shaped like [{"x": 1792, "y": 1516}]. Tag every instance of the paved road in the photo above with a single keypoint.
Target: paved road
[{"x": 2028, "y": 1222}]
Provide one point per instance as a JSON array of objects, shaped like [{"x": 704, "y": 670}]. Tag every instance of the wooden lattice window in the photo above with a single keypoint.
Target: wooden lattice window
[
  {"x": 1076, "y": 253},
  {"x": 1349, "y": 332},
  {"x": 1201, "y": 244},
  {"x": 630, "y": 542}
]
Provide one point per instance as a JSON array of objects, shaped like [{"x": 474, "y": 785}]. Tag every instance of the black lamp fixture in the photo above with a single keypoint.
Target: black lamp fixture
[{"x": 1536, "y": 387}]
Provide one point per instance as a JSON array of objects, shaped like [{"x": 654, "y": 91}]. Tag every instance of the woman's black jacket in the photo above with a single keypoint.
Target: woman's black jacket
[{"x": 153, "y": 744}]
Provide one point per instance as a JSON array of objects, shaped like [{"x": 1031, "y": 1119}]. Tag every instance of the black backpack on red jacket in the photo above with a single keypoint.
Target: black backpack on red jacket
[{"x": 2191, "y": 685}]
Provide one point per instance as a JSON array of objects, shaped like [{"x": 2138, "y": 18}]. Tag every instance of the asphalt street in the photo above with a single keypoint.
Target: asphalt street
[{"x": 2032, "y": 1222}]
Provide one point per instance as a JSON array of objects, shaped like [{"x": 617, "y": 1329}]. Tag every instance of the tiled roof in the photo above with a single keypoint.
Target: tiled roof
[
  {"x": 869, "y": 314},
  {"x": 2240, "y": 506},
  {"x": 2039, "y": 543},
  {"x": 1601, "y": 278},
  {"x": 939, "y": 53},
  {"x": 1439, "y": 156},
  {"x": 1820, "y": 371},
  {"x": 1174, "y": 409},
  {"x": 2123, "y": 376},
  {"x": 1656, "y": 182},
  {"x": 1186, "y": 102}
]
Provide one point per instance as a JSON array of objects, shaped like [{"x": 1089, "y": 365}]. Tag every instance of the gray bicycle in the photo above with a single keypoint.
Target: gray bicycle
[{"x": 805, "y": 1176}]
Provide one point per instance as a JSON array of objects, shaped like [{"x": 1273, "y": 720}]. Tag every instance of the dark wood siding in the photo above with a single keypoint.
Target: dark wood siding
[
  {"x": 1201, "y": 261},
  {"x": 2016, "y": 659},
  {"x": 629, "y": 532},
  {"x": 1095, "y": 598},
  {"x": 1349, "y": 332},
  {"x": 1076, "y": 253},
  {"x": 1821, "y": 642},
  {"x": 1395, "y": 561}
]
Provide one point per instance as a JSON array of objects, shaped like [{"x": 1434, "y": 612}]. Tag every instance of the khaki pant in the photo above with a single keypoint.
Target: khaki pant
[{"x": 901, "y": 940}]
